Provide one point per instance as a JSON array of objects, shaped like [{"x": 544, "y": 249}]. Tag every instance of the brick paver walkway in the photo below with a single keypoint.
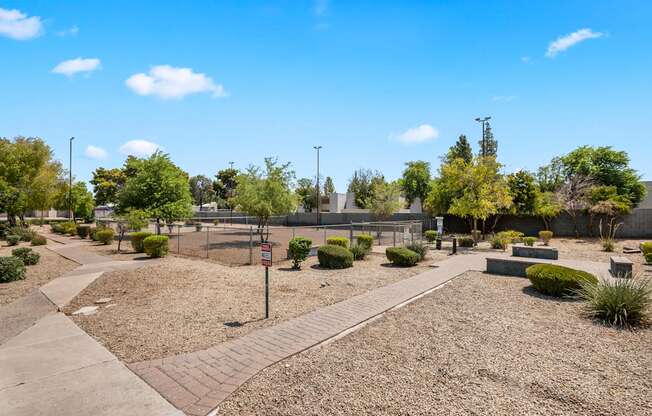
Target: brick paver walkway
[{"x": 197, "y": 382}]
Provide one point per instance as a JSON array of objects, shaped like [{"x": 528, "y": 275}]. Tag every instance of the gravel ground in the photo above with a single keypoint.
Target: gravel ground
[
  {"x": 182, "y": 305},
  {"x": 111, "y": 251},
  {"x": 49, "y": 267},
  {"x": 481, "y": 345}
]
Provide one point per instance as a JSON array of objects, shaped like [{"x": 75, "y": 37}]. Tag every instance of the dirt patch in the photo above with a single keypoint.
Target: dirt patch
[
  {"x": 482, "y": 345},
  {"x": 50, "y": 266},
  {"x": 183, "y": 305}
]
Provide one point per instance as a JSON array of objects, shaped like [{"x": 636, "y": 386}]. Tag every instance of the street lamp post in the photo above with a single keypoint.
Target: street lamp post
[
  {"x": 70, "y": 180},
  {"x": 231, "y": 163},
  {"x": 318, "y": 190},
  {"x": 483, "y": 120}
]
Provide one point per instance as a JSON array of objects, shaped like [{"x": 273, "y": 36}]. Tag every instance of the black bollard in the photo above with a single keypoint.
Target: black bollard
[
  {"x": 454, "y": 245},
  {"x": 438, "y": 244}
]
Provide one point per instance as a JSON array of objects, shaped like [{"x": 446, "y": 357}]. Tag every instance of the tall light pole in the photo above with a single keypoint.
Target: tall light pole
[
  {"x": 70, "y": 181},
  {"x": 231, "y": 163},
  {"x": 318, "y": 190},
  {"x": 483, "y": 120}
]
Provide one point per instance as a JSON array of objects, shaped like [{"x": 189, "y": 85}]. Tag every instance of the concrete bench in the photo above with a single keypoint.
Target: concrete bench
[
  {"x": 509, "y": 266},
  {"x": 621, "y": 267},
  {"x": 549, "y": 253}
]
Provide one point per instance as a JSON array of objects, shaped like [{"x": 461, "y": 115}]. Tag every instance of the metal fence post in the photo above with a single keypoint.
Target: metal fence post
[
  {"x": 293, "y": 234},
  {"x": 351, "y": 232},
  {"x": 324, "y": 235},
  {"x": 379, "y": 234},
  {"x": 178, "y": 239},
  {"x": 411, "y": 234},
  {"x": 394, "y": 235},
  {"x": 208, "y": 230},
  {"x": 251, "y": 245}
]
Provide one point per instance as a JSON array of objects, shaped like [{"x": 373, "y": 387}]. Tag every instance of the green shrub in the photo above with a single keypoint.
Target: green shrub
[
  {"x": 365, "y": 240},
  {"x": 13, "y": 240},
  {"x": 105, "y": 236},
  {"x": 334, "y": 257},
  {"x": 418, "y": 247},
  {"x": 198, "y": 226},
  {"x": 512, "y": 236},
  {"x": 646, "y": 248},
  {"x": 466, "y": 242},
  {"x": 56, "y": 228},
  {"x": 24, "y": 233},
  {"x": 68, "y": 227},
  {"x": 545, "y": 236},
  {"x": 401, "y": 256},
  {"x": 11, "y": 268},
  {"x": 499, "y": 242},
  {"x": 83, "y": 231},
  {"x": 39, "y": 240},
  {"x": 648, "y": 258},
  {"x": 608, "y": 245},
  {"x": 27, "y": 255},
  {"x": 299, "y": 250},
  {"x": 529, "y": 241},
  {"x": 431, "y": 235},
  {"x": 156, "y": 245},
  {"x": 137, "y": 239},
  {"x": 554, "y": 280},
  {"x": 338, "y": 241},
  {"x": 3, "y": 230},
  {"x": 359, "y": 251},
  {"x": 618, "y": 302}
]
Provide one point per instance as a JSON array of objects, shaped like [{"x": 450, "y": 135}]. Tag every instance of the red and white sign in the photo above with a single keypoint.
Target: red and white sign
[{"x": 266, "y": 254}]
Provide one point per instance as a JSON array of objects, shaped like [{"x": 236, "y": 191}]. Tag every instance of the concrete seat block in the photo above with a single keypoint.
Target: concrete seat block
[
  {"x": 549, "y": 253},
  {"x": 621, "y": 266}
]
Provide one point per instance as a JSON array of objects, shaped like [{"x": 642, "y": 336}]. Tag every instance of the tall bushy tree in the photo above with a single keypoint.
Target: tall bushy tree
[
  {"x": 80, "y": 200},
  {"x": 160, "y": 188},
  {"x": 551, "y": 177},
  {"x": 361, "y": 183},
  {"x": 107, "y": 183},
  {"x": 224, "y": 186},
  {"x": 490, "y": 143},
  {"x": 329, "y": 186},
  {"x": 42, "y": 193},
  {"x": 547, "y": 207},
  {"x": 415, "y": 182},
  {"x": 385, "y": 200},
  {"x": 523, "y": 192},
  {"x": 201, "y": 189},
  {"x": 574, "y": 195},
  {"x": 460, "y": 150},
  {"x": 306, "y": 194}
]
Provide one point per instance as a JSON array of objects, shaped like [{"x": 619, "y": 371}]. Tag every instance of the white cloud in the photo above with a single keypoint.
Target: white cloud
[
  {"x": 16, "y": 25},
  {"x": 95, "y": 152},
  {"x": 73, "y": 66},
  {"x": 420, "y": 134},
  {"x": 165, "y": 81},
  {"x": 564, "y": 42},
  {"x": 139, "y": 148},
  {"x": 72, "y": 31},
  {"x": 504, "y": 98}
]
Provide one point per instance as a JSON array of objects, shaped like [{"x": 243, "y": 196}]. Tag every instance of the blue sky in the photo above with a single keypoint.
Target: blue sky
[{"x": 376, "y": 83}]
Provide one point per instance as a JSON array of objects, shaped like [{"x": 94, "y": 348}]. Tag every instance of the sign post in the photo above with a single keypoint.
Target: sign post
[{"x": 266, "y": 260}]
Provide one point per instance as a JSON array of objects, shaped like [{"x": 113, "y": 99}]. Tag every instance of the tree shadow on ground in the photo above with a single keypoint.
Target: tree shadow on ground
[{"x": 531, "y": 291}]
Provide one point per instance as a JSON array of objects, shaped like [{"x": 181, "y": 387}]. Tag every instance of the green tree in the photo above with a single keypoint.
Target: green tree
[
  {"x": 460, "y": 150},
  {"x": 80, "y": 199},
  {"x": 547, "y": 207},
  {"x": 132, "y": 220},
  {"x": 488, "y": 147},
  {"x": 551, "y": 177},
  {"x": 106, "y": 184},
  {"x": 385, "y": 199},
  {"x": 523, "y": 192},
  {"x": 329, "y": 187},
  {"x": 224, "y": 186},
  {"x": 159, "y": 188},
  {"x": 265, "y": 193},
  {"x": 415, "y": 182},
  {"x": 42, "y": 193},
  {"x": 361, "y": 184},
  {"x": 306, "y": 194},
  {"x": 201, "y": 189}
]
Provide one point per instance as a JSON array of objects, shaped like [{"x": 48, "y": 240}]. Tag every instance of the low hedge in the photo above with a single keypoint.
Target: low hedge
[
  {"x": 402, "y": 256},
  {"x": 156, "y": 245},
  {"x": 529, "y": 241},
  {"x": 365, "y": 240},
  {"x": 13, "y": 239},
  {"x": 27, "y": 255},
  {"x": 83, "y": 231},
  {"x": 646, "y": 248},
  {"x": 648, "y": 258},
  {"x": 466, "y": 242},
  {"x": 39, "y": 240},
  {"x": 554, "y": 280},
  {"x": 512, "y": 236},
  {"x": 334, "y": 257},
  {"x": 338, "y": 241},
  {"x": 137, "y": 239},
  {"x": 24, "y": 233},
  {"x": 105, "y": 236},
  {"x": 11, "y": 268},
  {"x": 431, "y": 235},
  {"x": 299, "y": 250}
]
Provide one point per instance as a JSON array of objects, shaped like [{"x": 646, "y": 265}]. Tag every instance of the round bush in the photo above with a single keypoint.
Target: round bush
[
  {"x": 419, "y": 248},
  {"x": 338, "y": 241},
  {"x": 156, "y": 245},
  {"x": 299, "y": 250},
  {"x": 554, "y": 280},
  {"x": 618, "y": 302},
  {"x": 511, "y": 236},
  {"x": 39, "y": 240},
  {"x": 27, "y": 255},
  {"x": 646, "y": 247},
  {"x": 83, "y": 231},
  {"x": 365, "y": 240},
  {"x": 137, "y": 239},
  {"x": 13, "y": 240},
  {"x": 648, "y": 258},
  {"x": 466, "y": 242},
  {"x": 105, "y": 236},
  {"x": 545, "y": 236},
  {"x": 69, "y": 228},
  {"x": 529, "y": 241},
  {"x": 334, "y": 257},
  {"x": 431, "y": 235},
  {"x": 401, "y": 256},
  {"x": 11, "y": 268}
]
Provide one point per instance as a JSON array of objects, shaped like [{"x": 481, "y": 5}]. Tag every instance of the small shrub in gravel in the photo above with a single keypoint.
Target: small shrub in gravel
[
  {"x": 39, "y": 240},
  {"x": 529, "y": 241},
  {"x": 608, "y": 245},
  {"x": 27, "y": 255},
  {"x": 618, "y": 302},
  {"x": 499, "y": 242},
  {"x": 431, "y": 235},
  {"x": 418, "y": 247},
  {"x": 69, "y": 228},
  {"x": 156, "y": 245},
  {"x": 83, "y": 231},
  {"x": 359, "y": 251},
  {"x": 545, "y": 236},
  {"x": 198, "y": 226},
  {"x": 401, "y": 256},
  {"x": 105, "y": 236},
  {"x": 13, "y": 240},
  {"x": 466, "y": 242},
  {"x": 137, "y": 239},
  {"x": 334, "y": 257},
  {"x": 365, "y": 240},
  {"x": 648, "y": 258},
  {"x": 11, "y": 268},
  {"x": 554, "y": 280},
  {"x": 512, "y": 236},
  {"x": 24, "y": 233},
  {"x": 299, "y": 250},
  {"x": 338, "y": 241},
  {"x": 646, "y": 248}
]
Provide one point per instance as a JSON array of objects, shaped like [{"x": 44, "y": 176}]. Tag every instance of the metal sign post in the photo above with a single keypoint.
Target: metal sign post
[{"x": 266, "y": 260}]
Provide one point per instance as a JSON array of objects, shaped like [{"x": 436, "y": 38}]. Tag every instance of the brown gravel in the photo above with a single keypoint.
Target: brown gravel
[
  {"x": 50, "y": 266},
  {"x": 111, "y": 251},
  {"x": 182, "y": 305},
  {"x": 481, "y": 345}
]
